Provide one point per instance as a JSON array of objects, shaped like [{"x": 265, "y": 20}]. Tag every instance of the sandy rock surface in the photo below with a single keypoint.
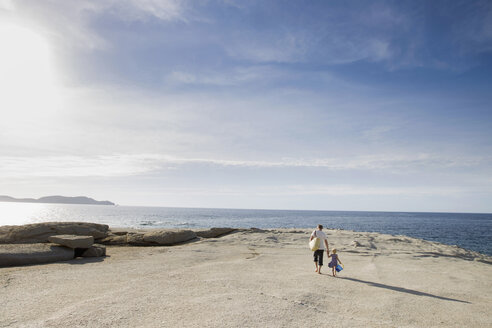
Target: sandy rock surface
[
  {"x": 23, "y": 254},
  {"x": 256, "y": 279}
]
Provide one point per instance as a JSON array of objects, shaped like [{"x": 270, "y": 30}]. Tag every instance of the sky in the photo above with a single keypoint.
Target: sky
[{"x": 316, "y": 105}]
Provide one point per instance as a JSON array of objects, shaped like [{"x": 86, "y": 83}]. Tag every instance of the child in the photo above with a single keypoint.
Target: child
[{"x": 334, "y": 261}]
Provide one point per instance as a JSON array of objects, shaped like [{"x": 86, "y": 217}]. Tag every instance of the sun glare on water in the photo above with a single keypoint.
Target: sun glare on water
[
  {"x": 22, "y": 213},
  {"x": 27, "y": 76}
]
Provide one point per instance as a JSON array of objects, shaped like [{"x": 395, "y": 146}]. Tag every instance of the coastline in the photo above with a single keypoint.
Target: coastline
[
  {"x": 256, "y": 277},
  {"x": 467, "y": 231}
]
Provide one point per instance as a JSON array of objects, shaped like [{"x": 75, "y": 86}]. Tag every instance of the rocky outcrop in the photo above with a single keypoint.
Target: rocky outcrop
[
  {"x": 165, "y": 237},
  {"x": 23, "y": 254},
  {"x": 160, "y": 237},
  {"x": 30, "y": 244},
  {"x": 40, "y": 232},
  {"x": 72, "y": 241},
  {"x": 113, "y": 239},
  {"x": 95, "y": 251},
  {"x": 214, "y": 232}
]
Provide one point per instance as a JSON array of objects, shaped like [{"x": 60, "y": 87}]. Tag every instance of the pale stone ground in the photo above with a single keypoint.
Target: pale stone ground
[{"x": 260, "y": 279}]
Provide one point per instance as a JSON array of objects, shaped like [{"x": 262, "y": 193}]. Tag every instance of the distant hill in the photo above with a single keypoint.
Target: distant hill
[{"x": 57, "y": 200}]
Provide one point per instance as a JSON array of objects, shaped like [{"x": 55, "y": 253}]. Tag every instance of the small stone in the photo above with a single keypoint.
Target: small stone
[
  {"x": 95, "y": 251},
  {"x": 355, "y": 243}
]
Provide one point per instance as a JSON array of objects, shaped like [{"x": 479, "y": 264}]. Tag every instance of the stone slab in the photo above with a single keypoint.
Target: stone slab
[{"x": 72, "y": 241}]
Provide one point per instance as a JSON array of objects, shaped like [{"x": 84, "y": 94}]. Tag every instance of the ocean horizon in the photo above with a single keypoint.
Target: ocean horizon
[{"x": 471, "y": 231}]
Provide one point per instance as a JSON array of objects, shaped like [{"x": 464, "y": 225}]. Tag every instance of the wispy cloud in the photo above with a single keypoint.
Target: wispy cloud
[
  {"x": 72, "y": 21},
  {"x": 6, "y": 5},
  {"x": 374, "y": 162},
  {"x": 132, "y": 10},
  {"x": 136, "y": 164},
  {"x": 313, "y": 190},
  {"x": 232, "y": 77},
  {"x": 73, "y": 166},
  {"x": 284, "y": 48}
]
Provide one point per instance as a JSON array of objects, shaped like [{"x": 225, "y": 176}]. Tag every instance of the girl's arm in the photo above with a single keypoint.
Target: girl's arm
[{"x": 339, "y": 259}]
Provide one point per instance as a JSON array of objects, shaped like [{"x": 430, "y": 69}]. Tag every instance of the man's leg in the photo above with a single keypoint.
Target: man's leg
[
  {"x": 315, "y": 255},
  {"x": 320, "y": 260}
]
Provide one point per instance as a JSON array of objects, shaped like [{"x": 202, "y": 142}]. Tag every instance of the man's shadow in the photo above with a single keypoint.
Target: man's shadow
[{"x": 403, "y": 290}]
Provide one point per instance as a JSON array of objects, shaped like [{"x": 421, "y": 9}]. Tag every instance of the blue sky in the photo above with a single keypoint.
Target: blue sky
[{"x": 343, "y": 105}]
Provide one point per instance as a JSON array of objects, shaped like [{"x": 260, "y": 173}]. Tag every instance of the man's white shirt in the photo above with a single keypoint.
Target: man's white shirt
[{"x": 322, "y": 236}]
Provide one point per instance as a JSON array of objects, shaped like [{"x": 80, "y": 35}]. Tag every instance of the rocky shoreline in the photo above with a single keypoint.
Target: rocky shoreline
[
  {"x": 62, "y": 241},
  {"x": 50, "y": 242}
]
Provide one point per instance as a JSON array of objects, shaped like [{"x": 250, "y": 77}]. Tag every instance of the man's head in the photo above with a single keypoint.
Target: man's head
[{"x": 320, "y": 227}]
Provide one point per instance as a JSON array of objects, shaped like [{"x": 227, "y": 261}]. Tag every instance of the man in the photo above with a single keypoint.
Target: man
[{"x": 318, "y": 254}]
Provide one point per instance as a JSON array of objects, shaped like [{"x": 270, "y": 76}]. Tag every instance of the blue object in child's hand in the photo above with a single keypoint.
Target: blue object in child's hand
[{"x": 339, "y": 268}]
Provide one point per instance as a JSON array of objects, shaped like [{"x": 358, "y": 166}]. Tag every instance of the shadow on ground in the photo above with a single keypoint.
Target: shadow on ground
[
  {"x": 84, "y": 260},
  {"x": 403, "y": 290}
]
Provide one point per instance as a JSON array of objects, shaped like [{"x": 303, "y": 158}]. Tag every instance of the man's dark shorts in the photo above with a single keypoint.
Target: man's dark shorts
[{"x": 318, "y": 256}]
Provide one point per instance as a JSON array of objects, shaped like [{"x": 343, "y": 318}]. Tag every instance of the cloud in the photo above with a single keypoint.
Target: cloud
[
  {"x": 75, "y": 166},
  {"x": 358, "y": 190},
  {"x": 328, "y": 34},
  {"x": 289, "y": 47},
  {"x": 7, "y": 5},
  {"x": 231, "y": 77},
  {"x": 120, "y": 165},
  {"x": 312, "y": 190},
  {"x": 72, "y": 21},
  {"x": 373, "y": 162},
  {"x": 135, "y": 10}
]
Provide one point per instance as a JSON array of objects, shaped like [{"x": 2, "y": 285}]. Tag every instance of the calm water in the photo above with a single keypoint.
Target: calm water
[{"x": 471, "y": 231}]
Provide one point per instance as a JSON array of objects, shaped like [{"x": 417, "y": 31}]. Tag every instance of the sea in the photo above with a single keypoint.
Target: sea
[{"x": 471, "y": 231}]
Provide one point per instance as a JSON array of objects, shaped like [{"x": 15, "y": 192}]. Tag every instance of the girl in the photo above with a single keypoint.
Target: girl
[{"x": 334, "y": 261}]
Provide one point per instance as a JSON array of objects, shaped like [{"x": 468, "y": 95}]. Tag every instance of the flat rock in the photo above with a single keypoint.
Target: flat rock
[
  {"x": 23, "y": 254},
  {"x": 40, "y": 232},
  {"x": 95, "y": 251},
  {"x": 160, "y": 237},
  {"x": 72, "y": 241},
  {"x": 214, "y": 232}
]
